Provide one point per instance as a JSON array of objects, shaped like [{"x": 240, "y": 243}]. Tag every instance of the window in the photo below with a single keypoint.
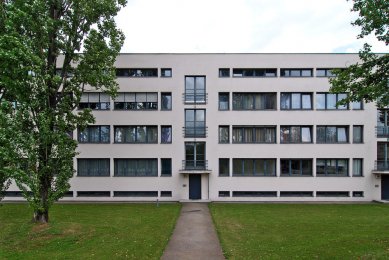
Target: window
[
  {"x": 224, "y": 101},
  {"x": 254, "y": 72},
  {"x": 224, "y": 193},
  {"x": 166, "y": 72},
  {"x": 332, "y": 194},
  {"x": 93, "y": 167},
  {"x": 94, "y": 134},
  {"x": 143, "y": 72},
  {"x": 357, "y": 134},
  {"x": 296, "y": 72},
  {"x": 296, "y": 134},
  {"x": 95, "y": 101},
  {"x": 296, "y": 167},
  {"x": 224, "y": 167},
  {"x": 332, "y": 134},
  {"x": 357, "y": 167},
  {"x": 136, "y": 101},
  {"x": 254, "y": 194},
  {"x": 135, "y": 193},
  {"x": 296, "y": 194},
  {"x": 120, "y": 72},
  {"x": 166, "y": 101},
  {"x": 166, "y": 193},
  {"x": 195, "y": 89},
  {"x": 224, "y": 73},
  {"x": 195, "y": 123},
  {"x": 357, "y": 105},
  {"x": 253, "y": 134},
  {"x": 166, "y": 167},
  {"x": 358, "y": 194},
  {"x": 254, "y": 167},
  {"x": 166, "y": 134},
  {"x": 136, "y": 134},
  {"x": 297, "y": 101},
  {"x": 328, "y": 101},
  {"x": 136, "y": 167},
  {"x": 324, "y": 73},
  {"x": 93, "y": 194},
  {"x": 224, "y": 134},
  {"x": 254, "y": 101},
  {"x": 332, "y": 167}
]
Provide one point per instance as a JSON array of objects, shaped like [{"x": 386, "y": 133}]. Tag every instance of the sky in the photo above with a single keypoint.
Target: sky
[{"x": 241, "y": 26}]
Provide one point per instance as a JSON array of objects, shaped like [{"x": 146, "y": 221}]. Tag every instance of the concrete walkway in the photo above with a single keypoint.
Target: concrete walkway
[{"x": 194, "y": 236}]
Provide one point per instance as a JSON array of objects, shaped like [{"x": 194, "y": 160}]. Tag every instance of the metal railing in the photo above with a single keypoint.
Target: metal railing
[
  {"x": 199, "y": 98},
  {"x": 193, "y": 132},
  {"x": 195, "y": 165},
  {"x": 382, "y": 131},
  {"x": 381, "y": 166}
]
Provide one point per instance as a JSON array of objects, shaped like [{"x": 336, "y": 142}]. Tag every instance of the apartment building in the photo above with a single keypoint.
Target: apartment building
[{"x": 230, "y": 127}]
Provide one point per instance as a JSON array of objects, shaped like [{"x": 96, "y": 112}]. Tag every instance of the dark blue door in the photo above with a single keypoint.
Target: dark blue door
[
  {"x": 385, "y": 187},
  {"x": 194, "y": 186}
]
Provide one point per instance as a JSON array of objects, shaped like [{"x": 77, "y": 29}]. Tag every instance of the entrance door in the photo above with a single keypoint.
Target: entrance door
[
  {"x": 194, "y": 186},
  {"x": 385, "y": 187}
]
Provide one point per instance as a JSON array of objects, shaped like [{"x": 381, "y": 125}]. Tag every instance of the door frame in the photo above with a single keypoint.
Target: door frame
[{"x": 196, "y": 180}]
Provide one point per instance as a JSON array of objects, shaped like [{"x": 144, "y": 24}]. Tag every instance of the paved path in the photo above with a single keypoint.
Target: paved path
[{"x": 194, "y": 236}]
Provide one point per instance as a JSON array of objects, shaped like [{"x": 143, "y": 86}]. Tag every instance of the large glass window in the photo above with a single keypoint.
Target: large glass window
[
  {"x": 224, "y": 101},
  {"x": 357, "y": 167},
  {"x": 166, "y": 167},
  {"x": 357, "y": 134},
  {"x": 137, "y": 72},
  {"x": 324, "y": 73},
  {"x": 224, "y": 134},
  {"x": 224, "y": 167},
  {"x": 296, "y": 72},
  {"x": 383, "y": 123},
  {"x": 136, "y": 167},
  {"x": 166, "y": 101},
  {"x": 296, "y": 167},
  {"x": 254, "y": 167},
  {"x": 297, "y": 101},
  {"x": 195, "y": 156},
  {"x": 136, "y": 101},
  {"x": 95, "y": 101},
  {"x": 254, "y": 72},
  {"x": 136, "y": 134},
  {"x": 253, "y": 134},
  {"x": 296, "y": 134},
  {"x": 166, "y": 134},
  {"x": 332, "y": 134},
  {"x": 195, "y": 89},
  {"x": 94, "y": 134},
  {"x": 195, "y": 123},
  {"x": 93, "y": 167},
  {"x": 332, "y": 167},
  {"x": 254, "y": 101},
  {"x": 328, "y": 101}
]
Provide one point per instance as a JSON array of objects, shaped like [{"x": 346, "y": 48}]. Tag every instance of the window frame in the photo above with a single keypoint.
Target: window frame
[
  {"x": 89, "y": 134},
  {"x": 300, "y": 127},
  {"x": 254, "y": 72},
  {"x": 326, "y": 171},
  {"x": 254, "y": 134},
  {"x": 227, "y": 162},
  {"x": 220, "y": 94},
  {"x": 337, "y": 99},
  {"x": 166, "y": 172},
  {"x": 128, "y": 128},
  {"x": 337, "y": 134},
  {"x": 102, "y": 171},
  {"x": 169, "y": 102},
  {"x": 361, "y": 132},
  {"x": 254, "y": 96},
  {"x": 290, "y": 169},
  {"x": 134, "y": 105},
  {"x": 228, "y": 134},
  {"x": 290, "y": 105},
  {"x": 163, "y": 72},
  {"x": 171, "y": 134},
  {"x": 99, "y": 105},
  {"x": 253, "y": 161},
  {"x": 149, "y": 161},
  {"x": 300, "y": 71}
]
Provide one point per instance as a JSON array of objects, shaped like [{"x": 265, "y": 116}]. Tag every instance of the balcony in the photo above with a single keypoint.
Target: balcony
[
  {"x": 381, "y": 166},
  {"x": 382, "y": 131},
  {"x": 198, "y": 98},
  {"x": 194, "y": 132},
  {"x": 194, "y": 165}
]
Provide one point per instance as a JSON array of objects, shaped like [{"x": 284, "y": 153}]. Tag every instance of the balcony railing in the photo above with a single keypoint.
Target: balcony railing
[
  {"x": 381, "y": 166},
  {"x": 198, "y": 98},
  {"x": 195, "y": 165},
  {"x": 382, "y": 131},
  {"x": 193, "y": 132}
]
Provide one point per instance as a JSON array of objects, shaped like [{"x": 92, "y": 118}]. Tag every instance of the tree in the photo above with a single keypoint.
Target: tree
[
  {"x": 38, "y": 99},
  {"x": 368, "y": 79}
]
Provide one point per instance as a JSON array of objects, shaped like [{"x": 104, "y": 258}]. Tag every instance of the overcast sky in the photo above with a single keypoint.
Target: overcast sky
[{"x": 263, "y": 26}]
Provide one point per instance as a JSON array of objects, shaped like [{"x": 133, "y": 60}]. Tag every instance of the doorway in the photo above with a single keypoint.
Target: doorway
[
  {"x": 194, "y": 186},
  {"x": 384, "y": 187}
]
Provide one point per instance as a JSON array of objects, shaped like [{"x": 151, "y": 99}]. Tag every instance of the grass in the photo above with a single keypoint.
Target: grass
[
  {"x": 87, "y": 231},
  {"x": 305, "y": 231}
]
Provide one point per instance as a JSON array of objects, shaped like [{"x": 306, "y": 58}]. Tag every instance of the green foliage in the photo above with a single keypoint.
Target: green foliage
[
  {"x": 368, "y": 79},
  {"x": 38, "y": 101},
  {"x": 302, "y": 231},
  {"x": 88, "y": 231}
]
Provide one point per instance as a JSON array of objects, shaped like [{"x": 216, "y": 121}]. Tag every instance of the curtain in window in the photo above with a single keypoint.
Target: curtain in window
[
  {"x": 260, "y": 168},
  {"x": 296, "y": 101},
  {"x": 320, "y": 101},
  {"x": 285, "y": 101},
  {"x": 237, "y": 166},
  {"x": 331, "y": 135},
  {"x": 357, "y": 134},
  {"x": 357, "y": 167},
  {"x": 306, "y": 101},
  {"x": 342, "y": 135},
  {"x": 342, "y": 167},
  {"x": 248, "y": 167},
  {"x": 306, "y": 135},
  {"x": 237, "y": 135},
  {"x": 295, "y": 134},
  {"x": 248, "y": 135},
  {"x": 166, "y": 134},
  {"x": 331, "y": 101},
  {"x": 224, "y": 134}
]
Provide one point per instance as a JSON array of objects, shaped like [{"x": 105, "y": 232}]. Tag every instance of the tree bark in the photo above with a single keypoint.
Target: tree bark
[{"x": 41, "y": 216}]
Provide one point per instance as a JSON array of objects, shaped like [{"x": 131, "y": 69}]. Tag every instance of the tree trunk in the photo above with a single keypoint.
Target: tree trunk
[{"x": 41, "y": 216}]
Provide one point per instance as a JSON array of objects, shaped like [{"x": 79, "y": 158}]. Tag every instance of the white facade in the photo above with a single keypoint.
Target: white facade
[{"x": 335, "y": 182}]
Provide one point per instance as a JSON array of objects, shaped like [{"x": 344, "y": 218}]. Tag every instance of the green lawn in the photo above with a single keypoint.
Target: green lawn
[
  {"x": 289, "y": 231},
  {"x": 87, "y": 231}
]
